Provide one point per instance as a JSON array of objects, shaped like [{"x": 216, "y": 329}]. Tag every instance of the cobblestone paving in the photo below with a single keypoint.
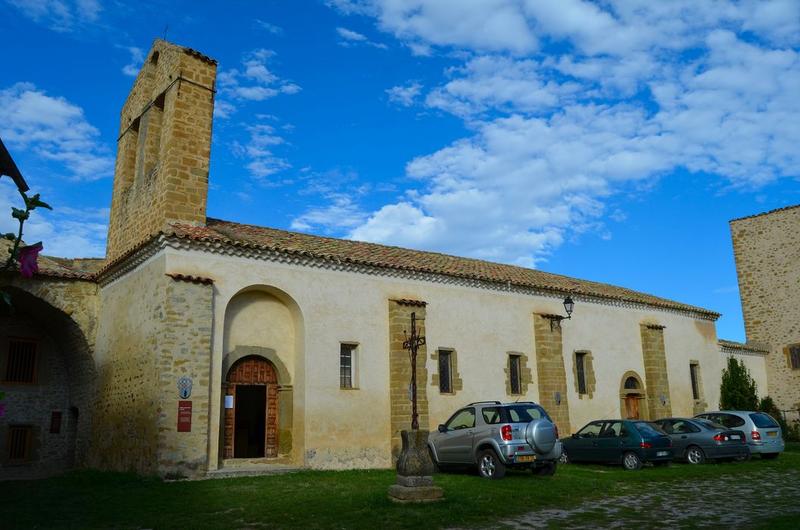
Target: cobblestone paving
[{"x": 728, "y": 501}]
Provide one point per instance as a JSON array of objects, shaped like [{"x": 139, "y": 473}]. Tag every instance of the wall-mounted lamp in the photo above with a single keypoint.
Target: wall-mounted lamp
[{"x": 569, "y": 305}]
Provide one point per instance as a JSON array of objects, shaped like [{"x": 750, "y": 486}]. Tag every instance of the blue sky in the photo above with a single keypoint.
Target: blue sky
[{"x": 610, "y": 141}]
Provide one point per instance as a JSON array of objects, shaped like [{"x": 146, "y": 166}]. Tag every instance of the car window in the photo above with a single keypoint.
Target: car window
[
  {"x": 649, "y": 429},
  {"x": 729, "y": 420},
  {"x": 710, "y": 425},
  {"x": 592, "y": 430},
  {"x": 763, "y": 421},
  {"x": 666, "y": 426},
  {"x": 683, "y": 427},
  {"x": 525, "y": 413},
  {"x": 491, "y": 415},
  {"x": 463, "y": 419},
  {"x": 612, "y": 429}
]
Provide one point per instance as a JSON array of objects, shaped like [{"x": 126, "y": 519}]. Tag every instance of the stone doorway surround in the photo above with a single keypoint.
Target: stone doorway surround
[
  {"x": 253, "y": 371},
  {"x": 632, "y": 397}
]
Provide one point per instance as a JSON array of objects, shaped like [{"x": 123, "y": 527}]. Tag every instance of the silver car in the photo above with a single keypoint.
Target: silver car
[
  {"x": 494, "y": 436},
  {"x": 697, "y": 440},
  {"x": 764, "y": 435}
]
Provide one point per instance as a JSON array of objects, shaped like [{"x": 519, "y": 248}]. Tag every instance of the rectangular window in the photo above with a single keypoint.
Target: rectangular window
[
  {"x": 794, "y": 356},
  {"x": 514, "y": 365},
  {"x": 347, "y": 364},
  {"x": 21, "y": 361},
  {"x": 580, "y": 368},
  {"x": 445, "y": 371},
  {"x": 694, "y": 368},
  {"x": 20, "y": 439}
]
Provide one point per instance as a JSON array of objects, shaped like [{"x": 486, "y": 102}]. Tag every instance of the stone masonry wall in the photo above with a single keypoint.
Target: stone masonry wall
[
  {"x": 767, "y": 250},
  {"x": 655, "y": 371},
  {"x": 164, "y": 147},
  {"x": 184, "y": 349},
  {"x": 550, "y": 369},
  {"x": 400, "y": 370},
  {"x": 127, "y": 417}
]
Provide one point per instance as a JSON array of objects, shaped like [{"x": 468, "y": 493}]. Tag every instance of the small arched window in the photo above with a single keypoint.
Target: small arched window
[
  {"x": 631, "y": 383},
  {"x": 154, "y": 58}
]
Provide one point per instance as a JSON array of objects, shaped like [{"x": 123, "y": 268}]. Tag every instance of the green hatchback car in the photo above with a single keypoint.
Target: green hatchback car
[{"x": 631, "y": 443}]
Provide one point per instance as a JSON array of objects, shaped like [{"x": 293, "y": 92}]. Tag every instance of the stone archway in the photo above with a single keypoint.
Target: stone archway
[
  {"x": 633, "y": 398},
  {"x": 50, "y": 393},
  {"x": 251, "y": 409}
]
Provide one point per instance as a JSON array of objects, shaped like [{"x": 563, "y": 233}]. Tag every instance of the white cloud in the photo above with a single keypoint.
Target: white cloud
[
  {"x": 271, "y": 28},
  {"x": 64, "y": 231},
  {"x": 341, "y": 213},
  {"x": 627, "y": 92},
  {"x": 351, "y": 38},
  {"x": 262, "y": 161},
  {"x": 137, "y": 58},
  {"x": 253, "y": 81},
  {"x": 404, "y": 95},
  {"x": 53, "y": 129},
  {"x": 60, "y": 15}
]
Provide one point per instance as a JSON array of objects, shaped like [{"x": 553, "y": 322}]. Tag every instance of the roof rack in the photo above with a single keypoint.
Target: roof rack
[{"x": 479, "y": 402}]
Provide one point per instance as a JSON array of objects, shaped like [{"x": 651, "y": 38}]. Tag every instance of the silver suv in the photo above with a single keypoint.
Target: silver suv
[{"x": 495, "y": 436}]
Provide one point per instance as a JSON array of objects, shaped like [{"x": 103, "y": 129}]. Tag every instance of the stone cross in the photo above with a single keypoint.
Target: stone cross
[{"x": 412, "y": 344}]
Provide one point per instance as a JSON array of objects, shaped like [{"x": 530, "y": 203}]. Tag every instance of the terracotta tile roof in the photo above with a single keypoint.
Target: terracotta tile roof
[
  {"x": 78, "y": 269},
  {"x": 371, "y": 254},
  {"x": 733, "y": 345}
]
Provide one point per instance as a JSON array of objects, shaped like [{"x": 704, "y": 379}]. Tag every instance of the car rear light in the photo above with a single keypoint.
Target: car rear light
[
  {"x": 645, "y": 445},
  {"x": 505, "y": 431},
  {"x": 719, "y": 438},
  {"x": 756, "y": 435}
]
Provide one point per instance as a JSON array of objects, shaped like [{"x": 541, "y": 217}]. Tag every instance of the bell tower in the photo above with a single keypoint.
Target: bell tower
[{"x": 164, "y": 147}]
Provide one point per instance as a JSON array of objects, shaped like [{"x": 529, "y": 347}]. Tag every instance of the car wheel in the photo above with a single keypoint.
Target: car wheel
[
  {"x": 694, "y": 455},
  {"x": 564, "y": 458},
  {"x": 546, "y": 470},
  {"x": 769, "y": 456},
  {"x": 631, "y": 461},
  {"x": 490, "y": 466}
]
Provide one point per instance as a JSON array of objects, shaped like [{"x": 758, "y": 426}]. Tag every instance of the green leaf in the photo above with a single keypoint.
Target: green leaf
[
  {"x": 34, "y": 202},
  {"x": 22, "y": 215}
]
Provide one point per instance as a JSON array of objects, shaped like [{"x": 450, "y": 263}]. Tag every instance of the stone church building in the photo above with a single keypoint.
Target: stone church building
[{"x": 198, "y": 344}]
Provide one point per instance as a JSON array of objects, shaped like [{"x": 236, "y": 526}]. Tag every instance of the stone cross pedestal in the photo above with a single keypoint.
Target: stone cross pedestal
[{"x": 414, "y": 471}]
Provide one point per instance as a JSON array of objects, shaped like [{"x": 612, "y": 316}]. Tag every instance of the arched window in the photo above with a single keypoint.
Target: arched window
[{"x": 631, "y": 383}]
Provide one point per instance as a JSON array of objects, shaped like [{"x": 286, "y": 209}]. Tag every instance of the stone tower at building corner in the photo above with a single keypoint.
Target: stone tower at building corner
[{"x": 163, "y": 148}]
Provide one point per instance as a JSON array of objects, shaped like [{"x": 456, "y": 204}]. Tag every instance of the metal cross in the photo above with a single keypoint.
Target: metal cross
[{"x": 412, "y": 344}]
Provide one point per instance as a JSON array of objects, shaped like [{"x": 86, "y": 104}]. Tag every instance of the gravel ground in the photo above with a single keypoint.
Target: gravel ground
[{"x": 736, "y": 500}]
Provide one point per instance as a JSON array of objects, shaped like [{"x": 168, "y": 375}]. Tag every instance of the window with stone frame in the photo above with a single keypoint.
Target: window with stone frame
[
  {"x": 580, "y": 368},
  {"x": 794, "y": 356},
  {"x": 445, "y": 371},
  {"x": 348, "y": 353},
  {"x": 694, "y": 373},
  {"x": 515, "y": 373},
  {"x": 21, "y": 361}
]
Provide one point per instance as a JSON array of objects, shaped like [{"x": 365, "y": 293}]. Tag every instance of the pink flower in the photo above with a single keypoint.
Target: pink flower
[{"x": 27, "y": 257}]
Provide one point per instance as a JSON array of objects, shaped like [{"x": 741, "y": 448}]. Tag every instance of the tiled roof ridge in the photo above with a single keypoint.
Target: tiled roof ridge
[
  {"x": 774, "y": 210},
  {"x": 214, "y": 230},
  {"x": 750, "y": 346}
]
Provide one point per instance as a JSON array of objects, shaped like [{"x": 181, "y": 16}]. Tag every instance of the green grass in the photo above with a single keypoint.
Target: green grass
[{"x": 322, "y": 499}]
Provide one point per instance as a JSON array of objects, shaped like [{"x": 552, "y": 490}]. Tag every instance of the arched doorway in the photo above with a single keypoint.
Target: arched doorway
[
  {"x": 632, "y": 397},
  {"x": 251, "y": 409}
]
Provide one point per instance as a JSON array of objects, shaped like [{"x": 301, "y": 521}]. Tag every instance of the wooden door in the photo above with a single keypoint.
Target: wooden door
[
  {"x": 252, "y": 371},
  {"x": 632, "y": 407}
]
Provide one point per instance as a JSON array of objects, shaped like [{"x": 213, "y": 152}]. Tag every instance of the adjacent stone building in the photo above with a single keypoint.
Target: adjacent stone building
[
  {"x": 767, "y": 250},
  {"x": 199, "y": 343}
]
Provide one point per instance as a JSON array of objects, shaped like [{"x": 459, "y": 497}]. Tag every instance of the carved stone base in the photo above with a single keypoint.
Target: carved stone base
[
  {"x": 414, "y": 470},
  {"x": 406, "y": 494}
]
